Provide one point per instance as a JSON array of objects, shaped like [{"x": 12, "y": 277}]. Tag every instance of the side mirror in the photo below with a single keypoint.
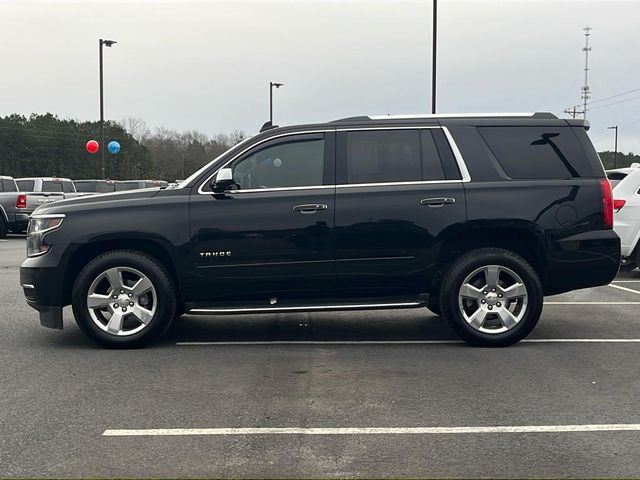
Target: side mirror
[{"x": 223, "y": 181}]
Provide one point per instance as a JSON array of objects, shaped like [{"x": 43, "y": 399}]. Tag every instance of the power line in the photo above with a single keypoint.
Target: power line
[
  {"x": 616, "y": 95},
  {"x": 615, "y": 103}
]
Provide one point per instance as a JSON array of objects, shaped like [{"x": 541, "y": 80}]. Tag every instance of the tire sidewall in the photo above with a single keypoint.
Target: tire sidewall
[
  {"x": 165, "y": 297},
  {"x": 469, "y": 263}
]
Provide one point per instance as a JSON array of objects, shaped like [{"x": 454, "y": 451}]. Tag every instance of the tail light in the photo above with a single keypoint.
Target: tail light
[
  {"x": 607, "y": 203},
  {"x": 21, "y": 201},
  {"x": 618, "y": 204}
]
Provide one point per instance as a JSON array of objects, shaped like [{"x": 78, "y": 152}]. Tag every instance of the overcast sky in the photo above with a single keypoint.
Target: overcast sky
[{"x": 207, "y": 65}]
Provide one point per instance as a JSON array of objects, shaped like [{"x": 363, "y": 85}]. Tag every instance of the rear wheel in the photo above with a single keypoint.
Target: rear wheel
[
  {"x": 124, "y": 299},
  {"x": 491, "y": 297}
]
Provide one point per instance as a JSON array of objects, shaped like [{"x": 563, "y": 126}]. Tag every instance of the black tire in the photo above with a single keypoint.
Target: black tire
[
  {"x": 165, "y": 308},
  {"x": 465, "y": 266},
  {"x": 3, "y": 228}
]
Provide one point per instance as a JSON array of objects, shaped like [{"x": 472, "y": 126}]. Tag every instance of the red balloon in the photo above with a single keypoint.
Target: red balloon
[{"x": 92, "y": 146}]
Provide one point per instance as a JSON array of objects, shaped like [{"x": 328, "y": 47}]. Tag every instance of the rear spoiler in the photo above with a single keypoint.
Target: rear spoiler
[{"x": 576, "y": 122}]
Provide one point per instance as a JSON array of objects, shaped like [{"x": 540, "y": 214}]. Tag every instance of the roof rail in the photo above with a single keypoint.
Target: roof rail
[{"x": 418, "y": 116}]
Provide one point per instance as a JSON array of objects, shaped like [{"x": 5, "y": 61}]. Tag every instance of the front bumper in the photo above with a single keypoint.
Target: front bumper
[{"x": 42, "y": 282}]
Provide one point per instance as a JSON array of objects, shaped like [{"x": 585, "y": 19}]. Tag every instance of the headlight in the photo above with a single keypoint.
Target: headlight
[{"x": 39, "y": 226}]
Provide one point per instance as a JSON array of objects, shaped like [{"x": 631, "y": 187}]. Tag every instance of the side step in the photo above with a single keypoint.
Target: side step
[{"x": 323, "y": 305}]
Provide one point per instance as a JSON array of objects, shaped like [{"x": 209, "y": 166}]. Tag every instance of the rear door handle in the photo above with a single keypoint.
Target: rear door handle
[
  {"x": 310, "y": 207},
  {"x": 437, "y": 202}
]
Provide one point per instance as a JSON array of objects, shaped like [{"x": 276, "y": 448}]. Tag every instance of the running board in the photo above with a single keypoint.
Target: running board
[{"x": 220, "y": 310}]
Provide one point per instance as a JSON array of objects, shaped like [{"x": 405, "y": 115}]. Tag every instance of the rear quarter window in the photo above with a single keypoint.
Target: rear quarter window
[{"x": 534, "y": 152}]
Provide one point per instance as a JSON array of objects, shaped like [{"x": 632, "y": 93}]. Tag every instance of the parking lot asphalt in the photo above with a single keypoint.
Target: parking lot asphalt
[{"x": 394, "y": 369}]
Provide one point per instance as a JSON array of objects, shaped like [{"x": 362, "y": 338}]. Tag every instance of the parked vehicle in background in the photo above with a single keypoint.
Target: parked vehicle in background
[
  {"x": 626, "y": 208},
  {"x": 14, "y": 211},
  {"x": 99, "y": 186},
  {"x": 618, "y": 174},
  {"x": 137, "y": 184},
  {"x": 476, "y": 217},
  {"x": 51, "y": 186}
]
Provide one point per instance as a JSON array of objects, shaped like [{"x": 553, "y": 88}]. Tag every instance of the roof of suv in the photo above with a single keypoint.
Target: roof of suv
[{"x": 500, "y": 119}]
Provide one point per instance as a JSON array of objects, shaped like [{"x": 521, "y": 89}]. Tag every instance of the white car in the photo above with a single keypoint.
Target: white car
[{"x": 626, "y": 216}]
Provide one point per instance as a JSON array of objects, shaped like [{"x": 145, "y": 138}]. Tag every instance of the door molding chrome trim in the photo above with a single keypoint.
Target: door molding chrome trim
[{"x": 196, "y": 311}]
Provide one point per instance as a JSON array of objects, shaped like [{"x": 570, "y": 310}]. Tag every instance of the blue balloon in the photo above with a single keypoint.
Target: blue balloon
[{"x": 113, "y": 147}]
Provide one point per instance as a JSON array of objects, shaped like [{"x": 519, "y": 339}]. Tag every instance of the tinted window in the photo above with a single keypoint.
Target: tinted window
[
  {"x": 383, "y": 156},
  {"x": 94, "y": 186},
  {"x": 431, "y": 164},
  {"x": 129, "y": 185},
  {"x": 25, "y": 185},
  {"x": 120, "y": 187},
  {"x": 9, "y": 186},
  {"x": 50, "y": 186},
  {"x": 538, "y": 152},
  {"x": 67, "y": 187},
  {"x": 294, "y": 164}
]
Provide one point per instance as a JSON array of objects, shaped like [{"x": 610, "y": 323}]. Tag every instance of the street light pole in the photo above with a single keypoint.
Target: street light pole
[
  {"x": 271, "y": 85},
  {"x": 108, "y": 43},
  {"x": 433, "y": 56},
  {"x": 615, "y": 148}
]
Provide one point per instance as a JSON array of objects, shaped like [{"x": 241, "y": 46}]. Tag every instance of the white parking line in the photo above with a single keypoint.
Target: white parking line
[
  {"x": 398, "y": 342},
  {"x": 593, "y": 303},
  {"x": 625, "y": 289},
  {"x": 626, "y": 281},
  {"x": 603, "y": 427}
]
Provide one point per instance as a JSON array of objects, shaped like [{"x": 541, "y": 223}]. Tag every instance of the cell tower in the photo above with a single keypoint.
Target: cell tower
[{"x": 586, "y": 91}]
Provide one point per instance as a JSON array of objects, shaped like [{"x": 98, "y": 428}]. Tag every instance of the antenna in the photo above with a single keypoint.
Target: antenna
[{"x": 586, "y": 91}]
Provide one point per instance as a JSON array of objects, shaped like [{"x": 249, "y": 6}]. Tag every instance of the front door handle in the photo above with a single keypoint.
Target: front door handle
[
  {"x": 310, "y": 207},
  {"x": 437, "y": 202}
]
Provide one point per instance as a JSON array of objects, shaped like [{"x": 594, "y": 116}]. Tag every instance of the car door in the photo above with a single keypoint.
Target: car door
[
  {"x": 271, "y": 237},
  {"x": 399, "y": 191}
]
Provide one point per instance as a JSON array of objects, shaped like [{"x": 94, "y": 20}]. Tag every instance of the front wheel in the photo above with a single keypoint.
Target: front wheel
[
  {"x": 491, "y": 297},
  {"x": 124, "y": 299}
]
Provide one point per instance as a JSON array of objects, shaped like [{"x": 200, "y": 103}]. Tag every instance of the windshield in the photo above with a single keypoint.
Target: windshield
[{"x": 199, "y": 172}]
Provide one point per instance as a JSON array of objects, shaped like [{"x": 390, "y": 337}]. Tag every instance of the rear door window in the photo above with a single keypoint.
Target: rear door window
[
  {"x": 380, "y": 156},
  {"x": 51, "y": 186},
  {"x": 534, "y": 152},
  {"x": 67, "y": 187},
  {"x": 25, "y": 185}
]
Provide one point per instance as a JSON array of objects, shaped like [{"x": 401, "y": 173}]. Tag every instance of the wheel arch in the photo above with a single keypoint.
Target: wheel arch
[
  {"x": 523, "y": 240},
  {"x": 85, "y": 252}
]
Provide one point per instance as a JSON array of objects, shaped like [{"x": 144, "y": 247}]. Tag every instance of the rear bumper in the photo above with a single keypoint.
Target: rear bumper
[
  {"x": 43, "y": 285},
  {"x": 585, "y": 260}
]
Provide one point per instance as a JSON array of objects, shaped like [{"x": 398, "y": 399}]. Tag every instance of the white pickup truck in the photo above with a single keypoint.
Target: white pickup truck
[
  {"x": 16, "y": 206},
  {"x": 53, "y": 187}
]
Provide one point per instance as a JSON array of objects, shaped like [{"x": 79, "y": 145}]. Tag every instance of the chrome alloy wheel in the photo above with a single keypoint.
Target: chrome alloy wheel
[
  {"x": 493, "y": 299},
  {"x": 122, "y": 301}
]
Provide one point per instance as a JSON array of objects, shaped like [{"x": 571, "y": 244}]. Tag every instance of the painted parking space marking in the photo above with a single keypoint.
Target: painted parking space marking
[
  {"x": 601, "y": 427},
  {"x": 592, "y": 303},
  {"x": 398, "y": 342},
  {"x": 625, "y": 289}
]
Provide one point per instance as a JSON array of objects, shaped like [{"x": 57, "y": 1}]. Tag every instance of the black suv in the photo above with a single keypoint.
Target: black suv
[{"x": 476, "y": 217}]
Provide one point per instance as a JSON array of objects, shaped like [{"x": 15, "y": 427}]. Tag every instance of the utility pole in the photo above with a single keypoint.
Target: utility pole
[
  {"x": 434, "y": 45},
  {"x": 573, "y": 111},
  {"x": 586, "y": 91},
  {"x": 108, "y": 43},
  {"x": 615, "y": 148}
]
